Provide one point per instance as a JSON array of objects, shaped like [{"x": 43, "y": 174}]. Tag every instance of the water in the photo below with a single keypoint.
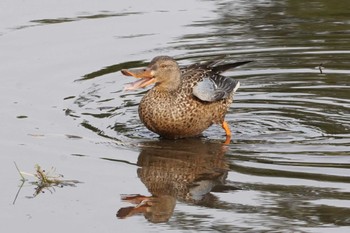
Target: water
[{"x": 286, "y": 169}]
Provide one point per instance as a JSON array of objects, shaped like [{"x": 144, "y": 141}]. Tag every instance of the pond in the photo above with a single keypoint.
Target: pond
[{"x": 286, "y": 169}]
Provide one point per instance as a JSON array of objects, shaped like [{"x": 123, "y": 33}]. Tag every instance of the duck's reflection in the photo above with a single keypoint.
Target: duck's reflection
[{"x": 185, "y": 170}]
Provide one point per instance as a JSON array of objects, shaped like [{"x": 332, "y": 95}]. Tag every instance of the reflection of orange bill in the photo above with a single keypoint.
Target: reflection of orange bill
[
  {"x": 134, "y": 199},
  {"x": 130, "y": 211},
  {"x": 140, "y": 201}
]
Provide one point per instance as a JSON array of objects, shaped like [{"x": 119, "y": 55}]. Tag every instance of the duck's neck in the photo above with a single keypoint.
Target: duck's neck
[{"x": 171, "y": 84}]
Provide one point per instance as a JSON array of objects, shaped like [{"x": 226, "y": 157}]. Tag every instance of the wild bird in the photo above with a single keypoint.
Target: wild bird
[{"x": 184, "y": 101}]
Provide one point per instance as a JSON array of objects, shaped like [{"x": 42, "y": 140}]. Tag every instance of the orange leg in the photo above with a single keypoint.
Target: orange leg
[{"x": 226, "y": 127}]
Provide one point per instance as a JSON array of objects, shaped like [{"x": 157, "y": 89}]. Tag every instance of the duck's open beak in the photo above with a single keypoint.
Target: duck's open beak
[{"x": 145, "y": 75}]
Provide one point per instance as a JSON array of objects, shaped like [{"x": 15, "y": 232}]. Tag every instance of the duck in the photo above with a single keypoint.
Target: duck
[{"x": 185, "y": 100}]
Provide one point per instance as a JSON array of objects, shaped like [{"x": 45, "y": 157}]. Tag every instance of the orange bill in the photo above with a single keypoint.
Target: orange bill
[
  {"x": 127, "y": 72},
  {"x": 146, "y": 78}
]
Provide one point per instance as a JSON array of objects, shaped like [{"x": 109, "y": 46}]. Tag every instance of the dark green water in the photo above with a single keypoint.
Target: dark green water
[{"x": 287, "y": 168}]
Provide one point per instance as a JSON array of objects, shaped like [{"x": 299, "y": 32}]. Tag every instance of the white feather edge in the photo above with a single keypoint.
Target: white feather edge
[{"x": 236, "y": 87}]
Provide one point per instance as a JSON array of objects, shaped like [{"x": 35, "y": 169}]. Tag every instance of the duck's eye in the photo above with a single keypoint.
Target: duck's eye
[{"x": 163, "y": 66}]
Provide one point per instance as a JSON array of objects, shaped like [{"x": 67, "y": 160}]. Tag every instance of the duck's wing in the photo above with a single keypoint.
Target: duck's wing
[
  {"x": 213, "y": 65},
  {"x": 218, "y": 69},
  {"x": 214, "y": 87},
  {"x": 208, "y": 65}
]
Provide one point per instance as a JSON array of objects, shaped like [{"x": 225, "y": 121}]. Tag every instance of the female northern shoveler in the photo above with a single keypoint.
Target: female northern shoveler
[{"x": 184, "y": 101}]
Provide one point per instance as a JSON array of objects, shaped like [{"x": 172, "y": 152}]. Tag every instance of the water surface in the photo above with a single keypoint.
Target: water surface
[{"x": 286, "y": 169}]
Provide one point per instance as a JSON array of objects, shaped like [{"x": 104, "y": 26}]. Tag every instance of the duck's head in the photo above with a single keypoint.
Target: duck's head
[{"x": 163, "y": 71}]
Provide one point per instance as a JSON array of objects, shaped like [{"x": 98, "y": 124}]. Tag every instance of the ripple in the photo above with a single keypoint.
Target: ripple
[{"x": 59, "y": 20}]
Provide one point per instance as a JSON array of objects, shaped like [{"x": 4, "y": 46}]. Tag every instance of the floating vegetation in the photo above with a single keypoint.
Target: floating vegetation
[{"x": 44, "y": 181}]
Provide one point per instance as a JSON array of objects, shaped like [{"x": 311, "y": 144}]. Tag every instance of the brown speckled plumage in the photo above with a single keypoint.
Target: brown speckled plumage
[{"x": 171, "y": 109}]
